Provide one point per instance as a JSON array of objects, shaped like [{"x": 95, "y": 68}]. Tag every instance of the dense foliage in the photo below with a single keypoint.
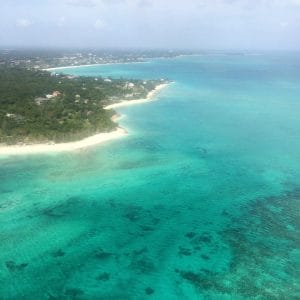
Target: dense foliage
[{"x": 73, "y": 109}]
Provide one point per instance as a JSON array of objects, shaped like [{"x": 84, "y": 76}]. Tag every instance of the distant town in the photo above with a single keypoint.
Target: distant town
[{"x": 45, "y": 59}]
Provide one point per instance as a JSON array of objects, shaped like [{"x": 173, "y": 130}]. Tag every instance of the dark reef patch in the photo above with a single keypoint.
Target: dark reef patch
[
  {"x": 205, "y": 257},
  {"x": 60, "y": 210},
  {"x": 184, "y": 251},
  {"x": 139, "y": 252},
  {"x": 204, "y": 238},
  {"x": 146, "y": 228},
  {"x": 197, "y": 248},
  {"x": 133, "y": 214},
  {"x": 190, "y": 234},
  {"x": 51, "y": 212},
  {"x": 142, "y": 265},
  {"x": 12, "y": 266},
  {"x": 58, "y": 253},
  {"x": 103, "y": 276},
  {"x": 73, "y": 293},
  {"x": 204, "y": 281},
  {"x": 225, "y": 213},
  {"x": 149, "y": 291},
  {"x": 101, "y": 254}
]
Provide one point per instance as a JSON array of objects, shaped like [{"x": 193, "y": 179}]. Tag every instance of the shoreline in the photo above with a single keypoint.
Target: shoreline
[
  {"x": 63, "y": 147},
  {"x": 90, "y": 141},
  {"x": 150, "y": 97},
  {"x": 91, "y": 65},
  {"x": 147, "y": 60}
]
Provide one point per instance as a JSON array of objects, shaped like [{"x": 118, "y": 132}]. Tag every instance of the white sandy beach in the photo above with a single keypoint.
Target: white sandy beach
[
  {"x": 151, "y": 96},
  {"x": 93, "y": 65},
  {"x": 79, "y": 145}
]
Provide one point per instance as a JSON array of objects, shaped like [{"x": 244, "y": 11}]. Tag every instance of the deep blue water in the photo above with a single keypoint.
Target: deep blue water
[{"x": 199, "y": 201}]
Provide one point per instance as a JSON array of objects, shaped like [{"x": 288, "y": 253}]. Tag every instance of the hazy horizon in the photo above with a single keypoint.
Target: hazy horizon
[
  {"x": 150, "y": 24},
  {"x": 194, "y": 51}
]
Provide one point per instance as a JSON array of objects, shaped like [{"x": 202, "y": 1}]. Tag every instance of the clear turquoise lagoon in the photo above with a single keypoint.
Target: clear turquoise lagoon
[{"x": 200, "y": 201}]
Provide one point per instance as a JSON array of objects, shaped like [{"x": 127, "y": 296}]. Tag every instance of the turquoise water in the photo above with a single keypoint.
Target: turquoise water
[{"x": 199, "y": 201}]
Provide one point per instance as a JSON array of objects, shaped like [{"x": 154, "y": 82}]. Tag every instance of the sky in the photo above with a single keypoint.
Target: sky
[{"x": 155, "y": 24}]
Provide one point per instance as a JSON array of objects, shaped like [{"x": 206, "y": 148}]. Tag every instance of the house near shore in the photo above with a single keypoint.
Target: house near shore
[
  {"x": 56, "y": 93},
  {"x": 128, "y": 96},
  {"x": 40, "y": 100},
  {"x": 15, "y": 117},
  {"x": 8, "y": 115},
  {"x": 129, "y": 85}
]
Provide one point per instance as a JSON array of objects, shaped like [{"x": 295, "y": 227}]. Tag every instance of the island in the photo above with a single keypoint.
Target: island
[{"x": 41, "y": 107}]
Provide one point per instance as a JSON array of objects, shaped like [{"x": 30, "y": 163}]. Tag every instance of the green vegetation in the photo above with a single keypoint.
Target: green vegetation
[{"x": 37, "y": 106}]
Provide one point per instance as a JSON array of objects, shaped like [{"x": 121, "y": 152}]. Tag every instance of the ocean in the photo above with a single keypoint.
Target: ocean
[{"x": 199, "y": 201}]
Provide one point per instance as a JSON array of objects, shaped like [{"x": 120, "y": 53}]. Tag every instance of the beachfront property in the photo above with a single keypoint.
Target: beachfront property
[{"x": 40, "y": 100}]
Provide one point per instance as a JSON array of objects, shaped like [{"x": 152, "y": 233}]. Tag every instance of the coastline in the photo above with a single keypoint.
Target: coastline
[
  {"x": 115, "y": 63},
  {"x": 150, "y": 97},
  {"x": 84, "y": 143},
  {"x": 63, "y": 147},
  {"x": 91, "y": 65}
]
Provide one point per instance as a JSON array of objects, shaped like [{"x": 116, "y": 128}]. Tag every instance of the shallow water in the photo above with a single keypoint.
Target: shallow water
[{"x": 200, "y": 201}]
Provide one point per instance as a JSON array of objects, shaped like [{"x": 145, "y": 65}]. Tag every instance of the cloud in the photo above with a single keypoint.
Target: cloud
[
  {"x": 61, "y": 21},
  {"x": 23, "y": 23},
  {"x": 284, "y": 24},
  {"x": 83, "y": 3},
  {"x": 295, "y": 2},
  {"x": 95, "y": 3},
  {"x": 144, "y": 3},
  {"x": 99, "y": 24}
]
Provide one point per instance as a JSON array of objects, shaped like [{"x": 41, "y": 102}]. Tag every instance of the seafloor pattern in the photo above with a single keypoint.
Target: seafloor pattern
[
  {"x": 264, "y": 243},
  {"x": 255, "y": 256}
]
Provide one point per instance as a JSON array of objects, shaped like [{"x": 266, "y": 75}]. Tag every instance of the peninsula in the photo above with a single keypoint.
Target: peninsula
[{"x": 42, "y": 111}]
